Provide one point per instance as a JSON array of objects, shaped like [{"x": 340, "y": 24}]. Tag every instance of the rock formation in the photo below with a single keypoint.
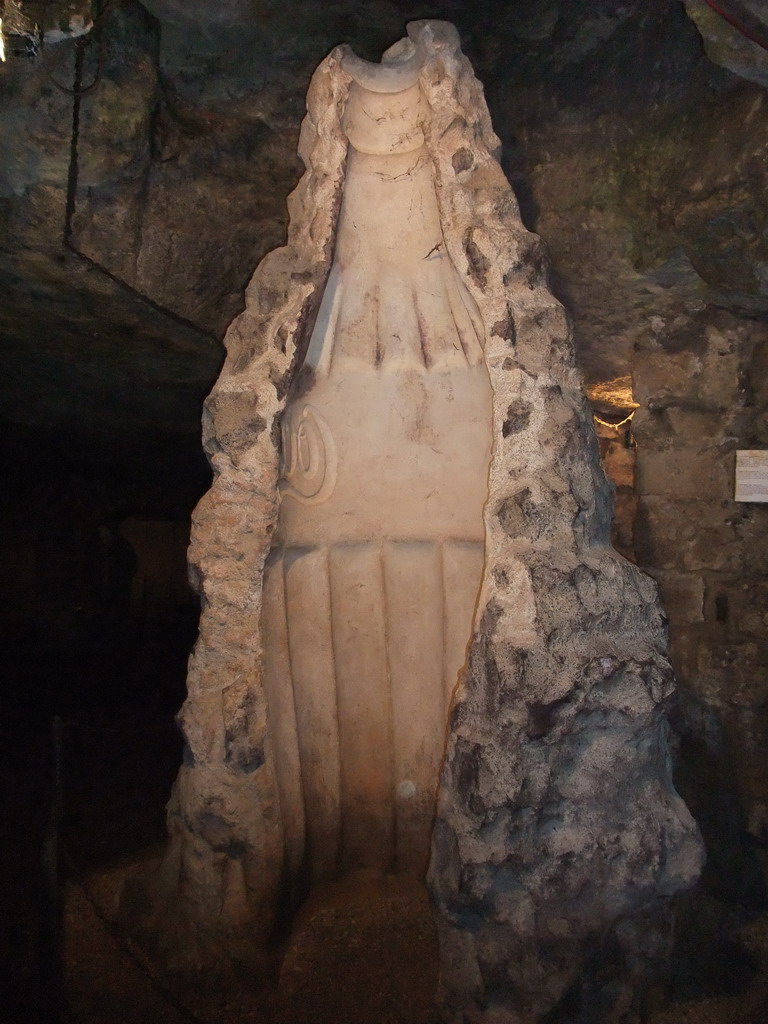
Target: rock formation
[
  {"x": 558, "y": 832},
  {"x": 379, "y": 550}
]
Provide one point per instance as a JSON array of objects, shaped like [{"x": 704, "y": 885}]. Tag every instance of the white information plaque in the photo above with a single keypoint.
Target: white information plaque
[{"x": 751, "y": 476}]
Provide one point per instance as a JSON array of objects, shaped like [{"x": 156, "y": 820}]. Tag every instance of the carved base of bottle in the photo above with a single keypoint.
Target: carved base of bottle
[{"x": 364, "y": 643}]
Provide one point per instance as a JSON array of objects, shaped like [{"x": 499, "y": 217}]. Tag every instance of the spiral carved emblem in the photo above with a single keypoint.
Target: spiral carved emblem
[{"x": 309, "y": 456}]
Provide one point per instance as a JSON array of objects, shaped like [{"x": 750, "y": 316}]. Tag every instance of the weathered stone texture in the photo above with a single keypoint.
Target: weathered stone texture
[
  {"x": 735, "y": 48},
  {"x": 216, "y": 894},
  {"x": 708, "y": 554},
  {"x": 559, "y": 835},
  {"x": 557, "y": 820},
  {"x": 641, "y": 164}
]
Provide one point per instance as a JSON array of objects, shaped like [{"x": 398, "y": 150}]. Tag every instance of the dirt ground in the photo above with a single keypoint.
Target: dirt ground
[{"x": 363, "y": 951}]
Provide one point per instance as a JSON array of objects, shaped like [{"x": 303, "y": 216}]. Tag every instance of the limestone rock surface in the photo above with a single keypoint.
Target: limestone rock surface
[
  {"x": 736, "y": 48},
  {"x": 216, "y": 896},
  {"x": 559, "y": 835},
  {"x": 639, "y": 161}
]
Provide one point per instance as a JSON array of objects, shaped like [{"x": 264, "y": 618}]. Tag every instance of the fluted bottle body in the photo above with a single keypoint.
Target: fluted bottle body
[{"x": 371, "y": 585}]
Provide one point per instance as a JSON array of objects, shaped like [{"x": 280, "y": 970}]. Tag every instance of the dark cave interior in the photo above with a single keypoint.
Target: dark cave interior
[{"x": 144, "y": 168}]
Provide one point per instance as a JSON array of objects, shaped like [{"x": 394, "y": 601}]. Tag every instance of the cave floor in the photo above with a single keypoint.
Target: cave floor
[{"x": 363, "y": 951}]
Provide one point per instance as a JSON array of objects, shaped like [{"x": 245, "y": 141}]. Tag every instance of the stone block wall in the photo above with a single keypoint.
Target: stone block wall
[
  {"x": 700, "y": 401},
  {"x": 619, "y": 459}
]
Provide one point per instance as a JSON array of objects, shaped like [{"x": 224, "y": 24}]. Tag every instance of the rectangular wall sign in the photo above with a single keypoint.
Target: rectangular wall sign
[{"x": 751, "y": 476}]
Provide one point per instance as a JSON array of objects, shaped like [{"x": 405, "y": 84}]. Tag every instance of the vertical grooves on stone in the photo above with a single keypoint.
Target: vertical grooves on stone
[
  {"x": 283, "y": 729},
  {"x": 379, "y": 344},
  {"x": 328, "y": 348},
  {"x": 359, "y": 644},
  {"x": 467, "y": 320},
  {"x": 445, "y": 653},
  {"x": 335, "y": 705},
  {"x": 462, "y": 561},
  {"x": 307, "y": 590},
  {"x": 457, "y": 321},
  {"x": 385, "y": 600},
  {"x": 423, "y": 354},
  {"x": 414, "y": 614}
]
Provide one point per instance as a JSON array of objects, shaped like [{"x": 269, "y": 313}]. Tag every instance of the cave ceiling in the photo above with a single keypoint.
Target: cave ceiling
[{"x": 146, "y": 152}]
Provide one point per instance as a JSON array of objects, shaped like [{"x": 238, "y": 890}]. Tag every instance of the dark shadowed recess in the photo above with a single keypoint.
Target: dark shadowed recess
[{"x": 635, "y": 140}]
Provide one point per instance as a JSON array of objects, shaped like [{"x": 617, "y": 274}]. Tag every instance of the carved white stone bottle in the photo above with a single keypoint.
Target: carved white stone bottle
[{"x": 371, "y": 585}]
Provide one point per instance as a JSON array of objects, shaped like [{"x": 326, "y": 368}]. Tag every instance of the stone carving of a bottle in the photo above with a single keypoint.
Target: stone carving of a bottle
[{"x": 371, "y": 585}]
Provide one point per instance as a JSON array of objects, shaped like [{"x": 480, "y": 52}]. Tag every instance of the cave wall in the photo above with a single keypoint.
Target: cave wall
[
  {"x": 698, "y": 405},
  {"x": 559, "y": 833},
  {"x": 97, "y": 611},
  {"x": 637, "y": 148},
  {"x": 653, "y": 214}
]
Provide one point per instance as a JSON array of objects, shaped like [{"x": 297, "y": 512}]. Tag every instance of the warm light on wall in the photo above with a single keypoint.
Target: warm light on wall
[
  {"x": 13, "y": 22},
  {"x": 614, "y": 397},
  {"x": 616, "y": 392},
  {"x": 25, "y": 26},
  {"x": 613, "y": 426}
]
